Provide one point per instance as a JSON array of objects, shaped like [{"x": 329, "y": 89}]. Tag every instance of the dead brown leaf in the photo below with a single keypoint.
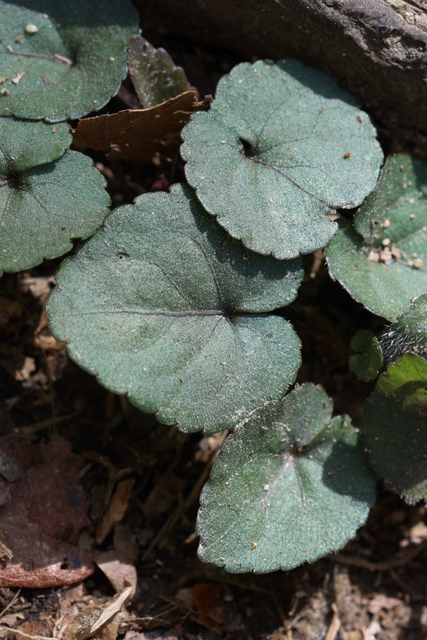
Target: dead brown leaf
[
  {"x": 9, "y": 309},
  {"x": 209, "y": 600},
  {"x": 28, "y": 367},
  {"x": 42, "y": 511},
  {"x": 101, "y": 623},
  {"x": 163, "y": 497},
  {"x": 204, "y": 604},
  {"x": 116, "y": 510},
  {"x": 136, "y": 135},
  {"x": 34, "y": 629},
  {"x": 120, "y": 572},
  {"x": 119, "y": 563}
]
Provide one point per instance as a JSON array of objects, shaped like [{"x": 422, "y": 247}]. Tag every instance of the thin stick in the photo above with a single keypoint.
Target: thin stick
[
  {"x": 49, "y": 422},
  {"x": 182, "y": 508},
  {"x": 22, "y": 633},
  {"x": 11, "y": 603},
  {"x": 335, "y": 624},
  {"x": 395, "y": 561}
]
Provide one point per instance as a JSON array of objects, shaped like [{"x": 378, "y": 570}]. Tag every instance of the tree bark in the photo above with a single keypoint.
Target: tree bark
[{"x": 376, "y": 48}]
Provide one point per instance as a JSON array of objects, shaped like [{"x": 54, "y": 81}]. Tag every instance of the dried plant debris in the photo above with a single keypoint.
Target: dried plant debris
[
  {"x": 100, "y": 622},
  {"x": 42, "y": 510},
  {"x": 137, "y": 135}
]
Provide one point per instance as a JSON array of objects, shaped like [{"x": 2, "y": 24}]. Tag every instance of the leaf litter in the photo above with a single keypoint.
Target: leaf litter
[
  {"x": 42, "y": 512},
  {"x": 137, "y": 135}
]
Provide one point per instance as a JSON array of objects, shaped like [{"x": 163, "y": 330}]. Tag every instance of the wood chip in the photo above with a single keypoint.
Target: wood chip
[
  {"x": 98, "y": 620},
  {"x": 17, "y": 79}
]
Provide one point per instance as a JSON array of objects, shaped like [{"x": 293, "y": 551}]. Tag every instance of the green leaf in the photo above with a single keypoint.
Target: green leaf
[
  {"x": 385, "y": 287},
  {"x": 62, "y": 60},
  {"x": 365, "y": 365},
  {"x": 155, "y": 76},
  {"x": 395, "y": 425},
  {"x": 408, "y": 333},
  {"x": 24, "y": 145},
  {"x": 162, "y": 305},
  {"x": 397, "y": 209},
  {"x": 47, "y": 197},
  {"x": 281, "y": 145},
  {"x": 382, "y": 260},
  {"x": 288, "y": 487}
]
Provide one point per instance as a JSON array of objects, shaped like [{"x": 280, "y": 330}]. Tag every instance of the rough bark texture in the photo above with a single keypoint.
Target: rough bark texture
[{"x": 376, "y": 48}]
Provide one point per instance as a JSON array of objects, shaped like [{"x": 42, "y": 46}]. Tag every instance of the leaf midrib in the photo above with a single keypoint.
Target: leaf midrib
[
  {"x": 50, "y": 57},
  {"x": 257, "y": 160},
  {"x": 173, "y": 314}
]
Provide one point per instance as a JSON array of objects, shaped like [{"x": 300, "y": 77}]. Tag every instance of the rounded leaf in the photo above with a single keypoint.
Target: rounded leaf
[
  {"x": 396, "y": 427},
  {"x": 154, "y": 75},
  {"x": 397, "y": 209},
  {"x": 281, "y": 146},
  {"x": 47, "y": 197},
  {"x": 24, "y": 145},
  {"x": 382, "y": 259},
  {"x": 60, "y": 60},
  {"x": 289, "y": 486},
  {"x": 162, "y": 305}
]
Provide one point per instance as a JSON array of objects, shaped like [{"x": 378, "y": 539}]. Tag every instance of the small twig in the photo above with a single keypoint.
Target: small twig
[
  {"x": 289, "y": 624},
  {"x": 395, "y": 561},
  {"x": 182, "y": 508},
  {"x": 11, "y": 603},
  {"x": 335, "y": 624},
  {"x": 112, "y": 609},
  {"x": 58, "y": 630},
  {"x": 22, "y": 633},
  {"x": 67, "y": 61},
  {"x": 45, "y": 424}
]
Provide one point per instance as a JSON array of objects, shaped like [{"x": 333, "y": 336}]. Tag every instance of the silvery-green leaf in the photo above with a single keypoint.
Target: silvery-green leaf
[
  {"x": 396, "y": 427},
  {"x": 155, "y": 76},
  {"x": 61, "y": 60},
  {"x": 281, "y": 146},
  {"x": 382, "y": 259},
  {"x": 289, "y": 486},
  {"x": 162, "y": 305},
  {"x": 47, "y": 197},
  {"x": 397, "y": 209}
]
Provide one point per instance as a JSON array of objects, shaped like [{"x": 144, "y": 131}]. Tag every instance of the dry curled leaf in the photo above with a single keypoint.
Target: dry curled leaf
[
  {"x": 119, "y": 571},
  {"x": 116, "y": 510},
  {"x": 209, "y": 600},
  {"x": 118, "y": 564},
  {"x": 136, "y": 135},
  {"x": 42, "y": 510}
]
